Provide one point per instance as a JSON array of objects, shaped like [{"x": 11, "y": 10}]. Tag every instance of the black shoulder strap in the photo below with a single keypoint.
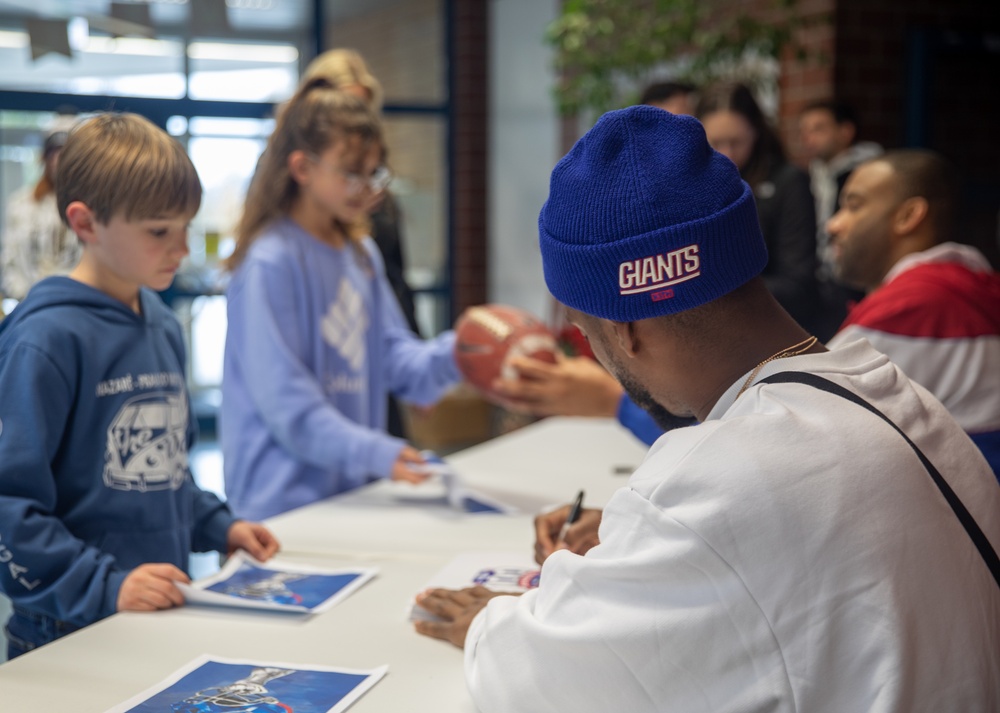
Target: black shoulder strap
[{"x": 968, "y": 522}]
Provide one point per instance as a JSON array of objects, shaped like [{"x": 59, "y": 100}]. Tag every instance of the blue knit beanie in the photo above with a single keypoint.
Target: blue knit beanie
[{"x": 644, "y": 219}]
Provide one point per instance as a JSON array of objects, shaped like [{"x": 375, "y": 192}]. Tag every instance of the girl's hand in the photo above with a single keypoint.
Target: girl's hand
[{"x": 409, "y": 466}]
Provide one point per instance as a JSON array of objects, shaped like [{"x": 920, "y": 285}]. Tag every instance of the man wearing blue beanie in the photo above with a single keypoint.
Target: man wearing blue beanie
[{"x": 824, "y": 540}]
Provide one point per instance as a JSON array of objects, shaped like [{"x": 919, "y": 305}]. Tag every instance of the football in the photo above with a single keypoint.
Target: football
[{"x": 487, "y": 337}]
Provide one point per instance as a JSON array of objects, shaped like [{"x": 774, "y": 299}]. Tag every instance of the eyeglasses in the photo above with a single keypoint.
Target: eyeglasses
[{"x": 378, "y": 181}]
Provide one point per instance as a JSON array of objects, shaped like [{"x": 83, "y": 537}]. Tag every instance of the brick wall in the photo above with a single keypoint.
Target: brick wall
[
  {"x": 941, "y": 96},
  {"x": 802, "y": 81},
  {"x": 871, "y": 50},
  {"x": 470, "y": 156},
  {"x": 952, "y": 106},
  {"x": 404, "y": 44}
]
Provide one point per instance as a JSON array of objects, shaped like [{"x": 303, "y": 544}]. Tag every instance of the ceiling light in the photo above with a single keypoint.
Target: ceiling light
[{"x": 281, "y": 54}]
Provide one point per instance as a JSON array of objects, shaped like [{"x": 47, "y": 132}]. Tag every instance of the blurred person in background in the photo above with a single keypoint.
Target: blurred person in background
[
  {"x": 737, "y": 128},
  {"x": 932, "y": 305},
  {"x": 346, "y": 70},
  {"x": 829, "y": 131},
  {"x": 36, "y": 243},
  {"x": 829, "y": 134},
  {"x": 675, "y": 97}
]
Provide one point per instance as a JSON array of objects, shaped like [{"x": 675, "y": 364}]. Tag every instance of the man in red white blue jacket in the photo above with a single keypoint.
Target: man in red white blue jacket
[{"x": 932, "y": 306}]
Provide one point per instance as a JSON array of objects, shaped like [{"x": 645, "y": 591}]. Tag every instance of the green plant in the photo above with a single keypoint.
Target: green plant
[{"x": 605, "y": 48}]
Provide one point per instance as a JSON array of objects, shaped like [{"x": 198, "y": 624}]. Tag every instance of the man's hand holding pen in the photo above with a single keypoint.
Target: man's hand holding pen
[
  {"x": 562, "y": 529},
  {"x": 571, "y": 527}
]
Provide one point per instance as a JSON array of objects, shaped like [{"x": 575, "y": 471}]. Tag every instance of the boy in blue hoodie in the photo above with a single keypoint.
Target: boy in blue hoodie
[{"x": 98, "y": 510}]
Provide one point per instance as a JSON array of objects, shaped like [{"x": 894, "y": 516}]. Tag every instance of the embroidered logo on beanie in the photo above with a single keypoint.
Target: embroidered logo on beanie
[
  {"x": 644, "y": 219},
  {"x": 652, "y": 273}
]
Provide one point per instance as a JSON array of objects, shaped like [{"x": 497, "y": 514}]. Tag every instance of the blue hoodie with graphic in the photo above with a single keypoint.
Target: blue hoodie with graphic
[
  {"x": 316, "y": 341},
  {"x": 95, "y": 428}
]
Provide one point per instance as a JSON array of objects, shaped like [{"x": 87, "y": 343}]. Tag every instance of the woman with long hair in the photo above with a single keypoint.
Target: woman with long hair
[{"x": 736, "y": 127}]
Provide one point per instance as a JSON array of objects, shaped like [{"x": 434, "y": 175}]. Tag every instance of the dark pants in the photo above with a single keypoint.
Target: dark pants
[
  {"x": 395, "y": 425},
  {"x": 27, "y": 630}
]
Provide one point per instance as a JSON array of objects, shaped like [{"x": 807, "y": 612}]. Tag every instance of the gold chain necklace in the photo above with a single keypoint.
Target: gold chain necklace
[{"x": 794, "y": 350}]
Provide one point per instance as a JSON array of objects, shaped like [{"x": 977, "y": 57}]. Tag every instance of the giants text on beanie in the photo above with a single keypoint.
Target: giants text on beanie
[{"x": 645, "y": 219}]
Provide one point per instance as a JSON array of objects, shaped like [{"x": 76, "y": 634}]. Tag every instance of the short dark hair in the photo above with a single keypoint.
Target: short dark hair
[
  {"x": 842, "y": 112},
  {"x": 926, "y": 174},
  {"x": 662, "y": 91}
]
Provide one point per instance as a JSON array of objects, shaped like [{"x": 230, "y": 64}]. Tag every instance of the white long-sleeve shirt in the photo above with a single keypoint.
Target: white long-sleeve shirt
[{"x": 789, "y": 554}]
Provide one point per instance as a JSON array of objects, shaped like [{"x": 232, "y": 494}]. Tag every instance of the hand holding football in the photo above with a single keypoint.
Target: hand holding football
[{"x": 490, "y": 335}]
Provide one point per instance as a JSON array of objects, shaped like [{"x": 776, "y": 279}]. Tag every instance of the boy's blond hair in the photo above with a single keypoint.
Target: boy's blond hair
[{"x": 123, "y": 164}]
